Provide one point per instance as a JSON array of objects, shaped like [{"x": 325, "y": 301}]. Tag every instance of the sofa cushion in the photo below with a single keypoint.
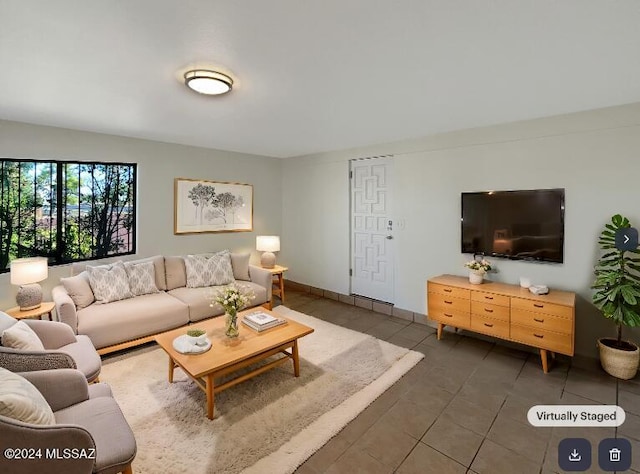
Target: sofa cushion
[
  {"x": 21, "y": 336},
  {"x": 21, "y": 400},
  {"x": 199, "y": 299},
  {"x": 79, "y": 289},
  {"x": 85, "y": 356},
  {"x": 208, "y": 270},
  {"x": 102, "y": 418},
  {"x": 240, "y": 264},
  {"x": 109, "y": 283},
  {"x": 124, "y": 320},
  {"x": 142, "y": 277},
  {"x": 175, "y": 272}
]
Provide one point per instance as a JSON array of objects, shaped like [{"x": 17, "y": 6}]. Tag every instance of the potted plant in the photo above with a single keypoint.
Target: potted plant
[
  {"x": 197, "y": 336},
  {"x": 477, "y": 270},
  {"x": 617, "y": 295}
]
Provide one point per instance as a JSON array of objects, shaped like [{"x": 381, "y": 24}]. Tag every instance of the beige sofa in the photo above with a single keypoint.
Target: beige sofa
[{"x": 132, "y": 321}]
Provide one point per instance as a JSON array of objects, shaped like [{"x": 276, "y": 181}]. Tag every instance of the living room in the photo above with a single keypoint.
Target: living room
[{"x": 587, "y": 145}]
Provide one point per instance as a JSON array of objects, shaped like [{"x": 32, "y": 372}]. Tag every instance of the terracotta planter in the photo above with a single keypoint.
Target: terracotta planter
[{"x": 620, "y": 363}]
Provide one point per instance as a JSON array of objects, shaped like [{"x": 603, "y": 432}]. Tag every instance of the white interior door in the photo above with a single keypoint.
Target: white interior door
[{"x": 372, "y": 241}]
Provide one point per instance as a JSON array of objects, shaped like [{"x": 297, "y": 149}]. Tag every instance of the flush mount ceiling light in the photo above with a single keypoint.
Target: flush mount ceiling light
[{"x": 208, "y": 82}]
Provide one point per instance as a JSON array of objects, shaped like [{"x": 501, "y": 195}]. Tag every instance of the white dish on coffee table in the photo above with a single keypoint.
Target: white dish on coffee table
[{"x": 183, "y": 345}]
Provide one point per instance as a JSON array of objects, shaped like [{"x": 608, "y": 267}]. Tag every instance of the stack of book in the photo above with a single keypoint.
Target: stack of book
[{"x": 261, "y": 321}]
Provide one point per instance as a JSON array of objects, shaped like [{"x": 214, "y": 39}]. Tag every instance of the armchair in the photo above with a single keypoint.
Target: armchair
[
  {"x": 87, "y": 420},
  {"x": 63, "y": 350}
]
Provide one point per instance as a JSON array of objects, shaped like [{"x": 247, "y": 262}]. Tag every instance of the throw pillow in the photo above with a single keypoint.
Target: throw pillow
[
  {"x": 21, "y": 336},
  {"x": 6, "y": 321},
  {"x": 109, "y": 283},
  {"x": 142, "y": 278},
  {"x": 79, "y": 289},
  {"x": 208, "y": 270},
  {"x": 240, "y": 264},
  {"x": 21, "y": 400}
]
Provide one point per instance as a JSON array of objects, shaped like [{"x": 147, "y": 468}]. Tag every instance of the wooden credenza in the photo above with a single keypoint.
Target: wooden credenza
[{"x": 546, "y": 322}]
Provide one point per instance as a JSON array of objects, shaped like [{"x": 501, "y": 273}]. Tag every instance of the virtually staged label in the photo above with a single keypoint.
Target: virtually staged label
[{"x": 576, "y": 415}]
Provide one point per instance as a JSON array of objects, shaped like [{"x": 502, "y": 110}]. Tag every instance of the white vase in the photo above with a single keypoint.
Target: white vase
[{"x": 475, "y": 278}]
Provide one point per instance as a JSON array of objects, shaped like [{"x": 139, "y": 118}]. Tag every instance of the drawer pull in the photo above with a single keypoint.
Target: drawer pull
[
  {"x": 538, "y": 320},
  {"x": 539, "y": 336},
  {"x": 488, "y": 310},
  {"x": 538, "y": 305},
  {"x": 488, "y": 325},
  {"x": 448, "y": 315},
  {"x": 447, "y": 290},
  {"x": 448, "y": 302},
  {"x": 488, "y": 297}
]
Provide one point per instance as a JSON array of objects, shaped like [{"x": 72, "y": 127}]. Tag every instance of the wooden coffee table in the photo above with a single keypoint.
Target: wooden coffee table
[{"x": 229, "y": 355}]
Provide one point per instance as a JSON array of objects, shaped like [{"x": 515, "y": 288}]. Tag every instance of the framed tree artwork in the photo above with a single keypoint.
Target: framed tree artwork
[{"x": 212, "y": 206}]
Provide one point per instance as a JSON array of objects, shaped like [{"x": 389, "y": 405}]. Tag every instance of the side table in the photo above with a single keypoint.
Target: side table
[
  {"x": 278, "y": 283},
  {"x": 45, "y": 308}
]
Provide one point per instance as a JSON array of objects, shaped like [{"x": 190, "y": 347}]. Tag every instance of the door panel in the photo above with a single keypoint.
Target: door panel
[{"x": 372, "y": 228}]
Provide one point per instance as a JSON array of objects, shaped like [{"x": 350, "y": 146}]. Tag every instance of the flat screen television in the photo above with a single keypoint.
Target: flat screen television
[{"x": 521, "y": 225}]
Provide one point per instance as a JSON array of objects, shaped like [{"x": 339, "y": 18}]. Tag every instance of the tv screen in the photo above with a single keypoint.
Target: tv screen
[{"x": 523, "y": 225}]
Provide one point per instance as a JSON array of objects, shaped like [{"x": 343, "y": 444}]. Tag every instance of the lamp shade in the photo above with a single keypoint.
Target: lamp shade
[
  {"x": 268, "y": 243},
  {"x": 25, "y": 271}
]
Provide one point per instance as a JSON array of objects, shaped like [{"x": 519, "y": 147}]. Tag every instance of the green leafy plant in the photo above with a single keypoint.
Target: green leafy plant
[
  {"x": 617, "y": 282},
  {"x": 195, "y": 332}
]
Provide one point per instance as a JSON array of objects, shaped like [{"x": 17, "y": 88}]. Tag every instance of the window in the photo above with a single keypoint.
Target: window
[{"x": 67, "y": 211}]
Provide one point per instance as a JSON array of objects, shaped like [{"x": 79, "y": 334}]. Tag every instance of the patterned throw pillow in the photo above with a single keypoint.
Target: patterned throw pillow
[
  {"x": 142, "y": 278},
  {"x": 109, "y": 283},
  {"x": 21, "y": 400},
  {"x": 208, "y": 270}
]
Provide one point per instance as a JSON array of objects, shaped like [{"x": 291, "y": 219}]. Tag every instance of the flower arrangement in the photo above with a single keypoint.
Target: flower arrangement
[
  {"x": 478, "y": 266},
  {"x": 232, "y": 298}
]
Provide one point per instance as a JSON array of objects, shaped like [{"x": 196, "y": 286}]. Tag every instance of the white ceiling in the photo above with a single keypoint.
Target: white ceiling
[{"x": 312, "y": 76}]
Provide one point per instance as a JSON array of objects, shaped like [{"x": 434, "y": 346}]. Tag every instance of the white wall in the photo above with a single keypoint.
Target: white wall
[
  {"x": 595, "y": 156},
  {"x": 158, "y": 165}
]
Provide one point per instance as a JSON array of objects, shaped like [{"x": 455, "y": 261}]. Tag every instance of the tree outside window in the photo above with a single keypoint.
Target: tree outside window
[{"x": 66, "y": 211}]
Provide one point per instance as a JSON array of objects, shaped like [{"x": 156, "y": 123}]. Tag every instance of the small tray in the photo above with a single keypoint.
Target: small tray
[{"x": 184, "y": 346}]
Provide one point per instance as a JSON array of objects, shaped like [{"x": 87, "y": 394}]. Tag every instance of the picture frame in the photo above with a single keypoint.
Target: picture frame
[{"x": 202, "y": 206}]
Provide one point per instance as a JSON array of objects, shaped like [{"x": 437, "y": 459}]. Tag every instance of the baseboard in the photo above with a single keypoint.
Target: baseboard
[{"x": 362, "y": 302}]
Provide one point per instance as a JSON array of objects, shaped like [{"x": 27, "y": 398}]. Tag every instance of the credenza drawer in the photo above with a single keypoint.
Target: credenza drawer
[
  {"x": 448, "y": 303},
  {"x": 446, "y": 290},
  {"x": 492, "y": 327},
  {"x": 542, "y": 339},
  {"x": 541, "y": 307},
  {"x": 450, "y": 318},
  {"x": 544, "y": 321},
  {"x": 490, "y": 310},
  {"x": 484, "y": 297}
]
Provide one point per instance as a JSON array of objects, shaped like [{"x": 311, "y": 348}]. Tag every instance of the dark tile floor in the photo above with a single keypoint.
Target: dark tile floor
[{"x": 463, "y": 408}]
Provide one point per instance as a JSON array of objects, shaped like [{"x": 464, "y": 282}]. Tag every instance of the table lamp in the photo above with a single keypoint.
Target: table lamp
[
  {"x": 268, "y": 244},
  {"x": 27, "y": 272}
]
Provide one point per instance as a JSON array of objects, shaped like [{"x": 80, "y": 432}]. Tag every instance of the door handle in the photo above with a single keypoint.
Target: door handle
[{"x": 389, "y": 237}]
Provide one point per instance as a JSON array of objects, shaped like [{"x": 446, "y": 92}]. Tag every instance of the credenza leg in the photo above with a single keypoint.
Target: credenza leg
[
  {"x": 439, "y": 331},
  {"x": 543, "y": 358}
]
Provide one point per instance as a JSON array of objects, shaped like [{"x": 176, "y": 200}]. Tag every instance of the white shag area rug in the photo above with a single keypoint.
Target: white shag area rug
[{"x": 269, "y": 424}]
